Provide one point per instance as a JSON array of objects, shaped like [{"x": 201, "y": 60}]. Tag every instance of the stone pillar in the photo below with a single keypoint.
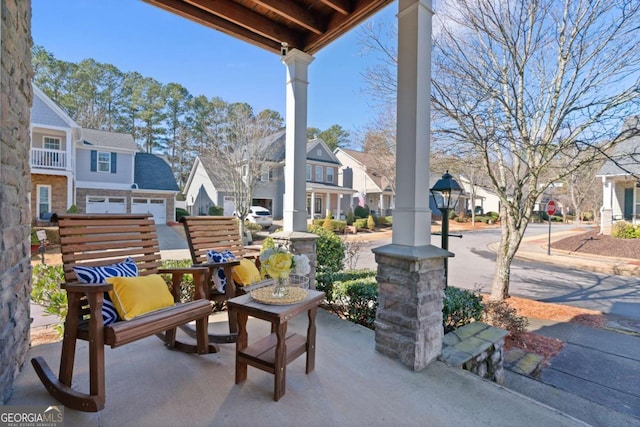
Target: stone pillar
[
  {"x": 298, "y": 243},
  {"x": 410, "y": 294},
  {"x": 15, "y": 186},
  {"x": 295, "y": 172}
]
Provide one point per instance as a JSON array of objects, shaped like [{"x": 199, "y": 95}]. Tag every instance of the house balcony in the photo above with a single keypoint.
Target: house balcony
[{"x": 43, "y": 158}]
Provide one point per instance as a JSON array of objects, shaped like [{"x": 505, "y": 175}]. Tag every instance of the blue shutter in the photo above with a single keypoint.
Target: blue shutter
[
  {"x": 94, "y": 160},
  {"x": 114, "y": 162}
]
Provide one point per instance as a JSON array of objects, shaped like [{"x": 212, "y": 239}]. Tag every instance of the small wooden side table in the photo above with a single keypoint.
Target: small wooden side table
[{"x": 274, "y": 352}]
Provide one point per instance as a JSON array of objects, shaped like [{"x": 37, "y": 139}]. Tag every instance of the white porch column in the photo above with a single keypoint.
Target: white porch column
[
  {"x": 413, "y": 127},
  {"x": 295, "y": 213},
  {"x": 337, "y": 215},
  {"x": 327, "y": 204},
  {"x": 410, "y": 270},
  {"x": 312, "y": 206},
  {"x": 69, "y": 169},
  {"x": 606, "y": 212}
]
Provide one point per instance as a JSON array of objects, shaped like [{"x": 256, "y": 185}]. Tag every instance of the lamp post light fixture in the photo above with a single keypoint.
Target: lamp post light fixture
[{"x": 446, "y": 193}]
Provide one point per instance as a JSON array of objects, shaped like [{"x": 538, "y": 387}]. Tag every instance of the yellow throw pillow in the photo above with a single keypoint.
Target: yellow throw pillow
[
  {"x": 134, "y": 296},
  {"x": 246, "y": 273}
]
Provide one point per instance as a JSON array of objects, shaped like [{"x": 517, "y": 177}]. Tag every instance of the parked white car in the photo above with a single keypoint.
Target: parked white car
[{"x": 261, "y": 216}]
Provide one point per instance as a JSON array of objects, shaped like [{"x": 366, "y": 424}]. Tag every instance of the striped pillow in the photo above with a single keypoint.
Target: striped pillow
[{"x": 126, "y": 268}]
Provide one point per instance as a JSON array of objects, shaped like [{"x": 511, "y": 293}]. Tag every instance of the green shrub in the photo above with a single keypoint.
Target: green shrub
[
  {"x": 326, "y": 224},
  {"x": 384, "y": 221},
  {"x": 371, "y": 223},
  {"x": 361, "y": 212},
  {"x": 326, "y": 279},
  {"x": 350, "y": 217},
  {"x": 452, "y": 214},
  {"x": 73, "y": 209},
  {"x": 216, "y": 210},
  {"x": 360, "y": 224},
  {"x": 180, "y": 213},
  {"x": 492, "y": 214},
  {"x": 358, "y": 299},
  {"x": 46, "y": 292},
  {"x": 623, "y": 230},
  {"x": 329, "y": 249},
  {"x": 34, "y": 237},
  {"x": 460, "y": 307},
  {"x": 337, "y": 225}
]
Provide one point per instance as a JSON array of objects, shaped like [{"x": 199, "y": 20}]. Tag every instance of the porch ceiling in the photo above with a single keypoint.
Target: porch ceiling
[{"x": 306, "y": 25}]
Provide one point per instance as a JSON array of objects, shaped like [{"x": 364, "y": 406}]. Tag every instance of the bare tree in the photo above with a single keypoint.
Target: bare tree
[
  {"x": 523, "y": 83},
  {"x": 379, "y": 142},
  {"x": 242, "y": 155}
]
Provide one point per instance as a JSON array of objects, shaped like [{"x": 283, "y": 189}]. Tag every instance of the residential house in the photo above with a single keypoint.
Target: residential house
[
  {"x": 53, "y": 134},
  {"x": 368, "y": 181},
  {"x": 485, "y": 199},
  {"x": 324, "y": 193},
  {"x": 98, "y": 171},
  {"x": 620, "y": 183}
]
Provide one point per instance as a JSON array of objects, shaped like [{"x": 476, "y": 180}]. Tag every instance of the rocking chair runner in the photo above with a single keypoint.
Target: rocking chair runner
[
  {"x": 219, "y": 233},
  {"x": 99, "y": 240}
]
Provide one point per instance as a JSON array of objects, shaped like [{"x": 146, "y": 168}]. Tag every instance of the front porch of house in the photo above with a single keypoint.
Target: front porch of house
[
  {"x": 352, "y": 385},
  {"x": 621, "y": 201}
]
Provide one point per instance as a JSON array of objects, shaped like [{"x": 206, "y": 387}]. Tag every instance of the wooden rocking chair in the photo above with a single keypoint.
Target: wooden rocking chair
[
  {"x": 219, "y": 233},
  {"x": 99, "y": 240}
]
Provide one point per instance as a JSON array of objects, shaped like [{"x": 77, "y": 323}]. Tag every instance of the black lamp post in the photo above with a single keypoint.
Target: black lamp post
[{"x": 446, "y": 193}]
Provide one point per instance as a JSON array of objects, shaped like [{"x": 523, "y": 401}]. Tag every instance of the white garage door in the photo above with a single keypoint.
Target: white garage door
[
  {"x": 156, "y": 207},
  {"x": 96, "y": 204}
]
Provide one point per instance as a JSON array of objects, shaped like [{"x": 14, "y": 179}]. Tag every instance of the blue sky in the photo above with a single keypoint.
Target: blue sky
[{"x": 135, "y": 36}]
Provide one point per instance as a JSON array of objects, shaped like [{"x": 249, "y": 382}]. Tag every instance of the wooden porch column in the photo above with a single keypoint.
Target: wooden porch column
[
  {"x": 411, "y": 270},
  {"x": 295, "y": 209}
]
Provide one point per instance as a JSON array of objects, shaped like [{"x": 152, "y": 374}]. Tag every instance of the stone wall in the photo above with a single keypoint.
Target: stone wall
[
  {"x": 15, "y": 185},
  {"x": 410, "y": 300},
  {"x": 478, "y": 348}
]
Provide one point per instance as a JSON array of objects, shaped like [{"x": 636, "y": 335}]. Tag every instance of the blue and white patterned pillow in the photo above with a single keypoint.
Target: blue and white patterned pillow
[
  {"x": 219, "y": 278},
  {"x": 126, "y": 268}
]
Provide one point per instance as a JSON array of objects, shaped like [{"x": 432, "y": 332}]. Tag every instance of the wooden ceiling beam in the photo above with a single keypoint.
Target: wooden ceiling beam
[
  {"x": 295, "y": 13},
  {"x": 241, "y": 16},
  {"x": 340, "y": 6},
  {"x": 338, "y": 24},
  {"x": 180, "y": 8}
]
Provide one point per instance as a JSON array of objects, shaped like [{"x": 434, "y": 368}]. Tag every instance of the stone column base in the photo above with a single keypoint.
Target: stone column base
[
  {"x": 410, "y": 299},
  {"x": 298, "y": 242}
]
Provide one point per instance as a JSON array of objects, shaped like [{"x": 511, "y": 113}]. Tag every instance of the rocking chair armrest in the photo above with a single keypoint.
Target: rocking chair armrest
[
  {"x": 86, "y": 287},
  {"x": 199, "y": 274}
]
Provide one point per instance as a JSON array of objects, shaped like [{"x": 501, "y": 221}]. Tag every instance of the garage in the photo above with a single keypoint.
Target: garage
[
  {"x": 156, "y": 207},
  {"x": 99, "y": 204}
]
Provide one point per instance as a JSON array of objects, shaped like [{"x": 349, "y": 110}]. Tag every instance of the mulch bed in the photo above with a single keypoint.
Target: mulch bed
[{"x": 593, "y": 243}]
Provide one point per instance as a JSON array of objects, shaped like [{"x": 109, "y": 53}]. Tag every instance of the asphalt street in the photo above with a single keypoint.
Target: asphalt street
[{"x": 474, "y": 264}]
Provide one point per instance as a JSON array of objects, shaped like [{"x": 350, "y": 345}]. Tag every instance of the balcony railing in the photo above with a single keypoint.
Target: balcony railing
[{"x": 48, "y": 159}]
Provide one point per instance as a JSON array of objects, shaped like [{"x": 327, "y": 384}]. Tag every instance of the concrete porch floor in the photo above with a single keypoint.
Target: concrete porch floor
[{"x": 352, "y": 385}]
